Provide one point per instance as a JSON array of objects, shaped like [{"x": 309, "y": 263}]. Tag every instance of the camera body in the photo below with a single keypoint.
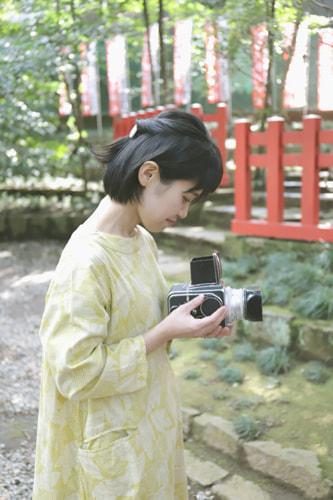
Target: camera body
[{"x": 206, "y": 279}]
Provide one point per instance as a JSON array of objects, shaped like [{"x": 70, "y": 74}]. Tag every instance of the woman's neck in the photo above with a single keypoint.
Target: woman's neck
[{"x": 114, "y": 218}]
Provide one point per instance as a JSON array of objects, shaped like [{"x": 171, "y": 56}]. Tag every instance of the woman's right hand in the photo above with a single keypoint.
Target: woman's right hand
[{"x": 180, "y": 323}]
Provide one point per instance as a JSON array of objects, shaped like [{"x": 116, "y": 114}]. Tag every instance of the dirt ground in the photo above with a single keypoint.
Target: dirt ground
[{"x": 25, "y": 272}]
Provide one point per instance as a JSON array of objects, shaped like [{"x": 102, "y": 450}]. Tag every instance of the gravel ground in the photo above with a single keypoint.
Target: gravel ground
[{"x": 25, "y": 272}]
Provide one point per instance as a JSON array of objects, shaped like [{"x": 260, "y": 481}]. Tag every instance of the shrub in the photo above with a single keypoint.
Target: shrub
[
  {"x": 191, "y": 375},
  {"x": 221, "y": 362},
  {"x": 207, "y": 355},
  {"x": 273, "y": 360},
  {"x": 244, "y": 352},
  {"x": 246, "y": 428},
  {"x": 231, "y": 374},
  {"x": 220, "y": 395},
  {"x": 212, "y": 344},
  {"x": 316, "y": 372},
  {"x": 242, "y": 403},
  {"x": 317, "y": 303},
  {"x": 173, "y": 353}
]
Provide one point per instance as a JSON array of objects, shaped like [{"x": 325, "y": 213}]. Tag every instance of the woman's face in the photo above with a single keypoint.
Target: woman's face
[{"x": 161, "y": 204}]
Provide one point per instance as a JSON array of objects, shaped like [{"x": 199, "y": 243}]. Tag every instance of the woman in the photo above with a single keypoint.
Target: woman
[{"x": 109, "y": 422}]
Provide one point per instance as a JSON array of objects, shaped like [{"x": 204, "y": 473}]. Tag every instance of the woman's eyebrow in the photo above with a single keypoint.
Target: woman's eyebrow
[
  {"x": 196, "y": 195},
  {"x": 193, "y": 191}
]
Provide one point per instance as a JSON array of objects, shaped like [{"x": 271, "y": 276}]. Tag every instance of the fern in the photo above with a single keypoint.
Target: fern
[
  {"x": 273, "y": 360},
  {"x": 246, "y": 428},
  {"x": 191, "y": 375},
  {"x": 303, "y": 276},
  {"x": 324, "y": 259},
  {"x": 241, "y": 268},
  {"x": 316, "y": 303},
  {"x": 316, "y": 372},
  {"x": 231, "y": 374},
  {"x": 207, "y": 355},
  {"x": 212, "y": 344},
  {"x": 273, "y": 293},
  {"x": 244, "y": 352},
  {"x": 221, "y": 361}
]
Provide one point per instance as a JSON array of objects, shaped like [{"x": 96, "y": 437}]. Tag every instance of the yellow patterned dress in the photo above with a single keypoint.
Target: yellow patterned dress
[{"x": 109, "y": 422}]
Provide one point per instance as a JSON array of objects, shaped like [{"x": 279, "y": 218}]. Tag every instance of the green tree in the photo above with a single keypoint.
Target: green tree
[{"x": 33, "y": 35}]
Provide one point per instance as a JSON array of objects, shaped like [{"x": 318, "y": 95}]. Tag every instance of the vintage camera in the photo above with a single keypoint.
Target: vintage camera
[{"x": 206, "y": 278}]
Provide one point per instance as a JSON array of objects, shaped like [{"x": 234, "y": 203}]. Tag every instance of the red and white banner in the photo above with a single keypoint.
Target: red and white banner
[
  {"x": 89, "y": 80},
  {"x": 296, "y": 85},
  {"x": 182, "y": 61},
  {"x": 117, "y": 75},
  {"x": 217, "y": 76},
  {"x": 325, "y": 70},
  {"x": 212, "y": 66},
  {"x": 146, "y": 94},
  {"x": 65, "y": 107},
  {"x": 259, "y": 65},
  {"x": 148, "y": 97}
]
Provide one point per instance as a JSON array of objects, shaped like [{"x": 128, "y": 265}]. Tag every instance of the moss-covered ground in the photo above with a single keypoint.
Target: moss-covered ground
[{"x": 288, "y": 408}]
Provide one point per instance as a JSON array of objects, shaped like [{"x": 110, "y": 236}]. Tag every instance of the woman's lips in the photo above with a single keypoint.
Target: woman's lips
[{"x": 171, "y": 222}]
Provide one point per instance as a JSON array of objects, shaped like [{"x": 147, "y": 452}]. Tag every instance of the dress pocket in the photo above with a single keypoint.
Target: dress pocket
[{"x": 110, "y": 464}]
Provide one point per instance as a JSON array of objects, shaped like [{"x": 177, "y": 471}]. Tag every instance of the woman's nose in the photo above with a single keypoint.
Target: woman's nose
[{"x": 183, "y": 211}]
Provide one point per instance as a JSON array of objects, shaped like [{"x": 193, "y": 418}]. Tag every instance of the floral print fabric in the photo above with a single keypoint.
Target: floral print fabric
[{"x": 109, "y": 420}]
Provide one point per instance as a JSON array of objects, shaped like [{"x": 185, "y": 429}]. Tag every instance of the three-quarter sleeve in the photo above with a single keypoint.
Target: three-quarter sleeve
[{"x": 76, "y": 334}]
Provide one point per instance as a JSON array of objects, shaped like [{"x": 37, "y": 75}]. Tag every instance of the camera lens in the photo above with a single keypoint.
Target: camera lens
[{"x": 253, "y": 304}]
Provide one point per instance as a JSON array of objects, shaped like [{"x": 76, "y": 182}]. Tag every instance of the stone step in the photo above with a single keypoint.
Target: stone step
[
  {"x": 221, "y": 483},
  {"x": 221, "y": 215},
  {"x": 203, "y": 241},
  {"x": 296, "y": 469},
  {"x": 292, "y": 198}
]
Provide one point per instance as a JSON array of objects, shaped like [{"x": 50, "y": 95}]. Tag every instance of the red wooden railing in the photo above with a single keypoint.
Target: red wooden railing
[
  {"x": 275, "y": 159},
  {"x": 216, "y": 122}
]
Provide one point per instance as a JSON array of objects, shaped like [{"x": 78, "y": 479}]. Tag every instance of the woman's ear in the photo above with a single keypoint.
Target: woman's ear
[{"x": 148, "y": 172}]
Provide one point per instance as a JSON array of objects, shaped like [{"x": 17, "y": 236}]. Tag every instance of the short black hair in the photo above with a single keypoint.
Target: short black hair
[{"x": 177, "y": 141}]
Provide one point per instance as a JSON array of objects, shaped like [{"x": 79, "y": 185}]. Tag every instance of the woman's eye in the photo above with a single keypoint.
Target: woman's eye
[{"x": 186, "y": 200}]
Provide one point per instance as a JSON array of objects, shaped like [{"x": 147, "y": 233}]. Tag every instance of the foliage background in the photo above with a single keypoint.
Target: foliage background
[{"x": 35, "y": 140}]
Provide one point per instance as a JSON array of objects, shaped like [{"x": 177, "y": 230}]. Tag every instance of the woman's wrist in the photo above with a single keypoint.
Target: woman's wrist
[{"x": 156, "y": 337}]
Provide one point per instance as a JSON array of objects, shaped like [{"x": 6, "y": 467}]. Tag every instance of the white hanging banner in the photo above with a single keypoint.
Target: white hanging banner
[
  {"x": 223, "y": 63},
  {"x": 148, "y": 97},
  {"x": 296, "y": 85},
  {"x": 89, "y": 80},
  {"x": 325, "y": 70},
  {"x": 117, "y": 75},
  {"x": 182, "y": 61}
]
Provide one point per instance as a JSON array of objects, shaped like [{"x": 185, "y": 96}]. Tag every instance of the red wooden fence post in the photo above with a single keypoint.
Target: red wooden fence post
[
  {"x": 274, "y": 171},
  {"x": 310, "y": 176},
  {"x": 116, "y": 127},
  {"x": 197, "y": 109},
  {"x": 221, "y": 133},
  {"x": 242, "y": 179}
]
